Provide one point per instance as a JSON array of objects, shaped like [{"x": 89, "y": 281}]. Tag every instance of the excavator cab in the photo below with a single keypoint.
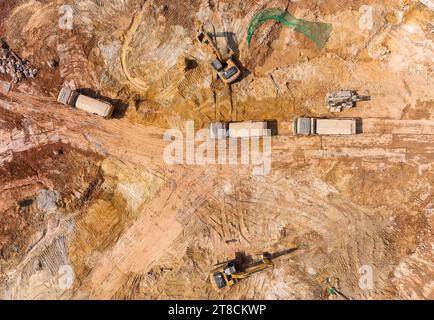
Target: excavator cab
[
  {"x": 227, "y": 71},
  {"x": 230, "y": 73},
  {"x": 222, "y": 277}
]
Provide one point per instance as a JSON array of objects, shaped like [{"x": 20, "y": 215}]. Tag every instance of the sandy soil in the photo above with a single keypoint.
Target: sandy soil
[{"x": 96, "y": 194}]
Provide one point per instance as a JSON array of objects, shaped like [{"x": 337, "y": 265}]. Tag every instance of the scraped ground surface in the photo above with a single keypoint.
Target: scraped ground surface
[{"x": 92, "y": 201}]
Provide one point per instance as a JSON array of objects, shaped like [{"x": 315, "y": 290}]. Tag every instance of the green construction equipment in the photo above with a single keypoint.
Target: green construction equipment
[
  {"x": 336, "y": 292},
  {"x": 318, "y": 32}
]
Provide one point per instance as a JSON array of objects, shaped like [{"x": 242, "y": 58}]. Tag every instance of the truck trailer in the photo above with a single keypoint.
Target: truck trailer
[
  {"x": 244, "y": 129},
  {"x": 77, "y": 100},
  {"x": 322, "y": 126}
]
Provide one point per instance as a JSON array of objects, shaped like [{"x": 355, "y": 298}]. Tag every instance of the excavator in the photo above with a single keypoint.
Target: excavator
[
  {"x": 229, "y": 273},
  {"x": 226, "y": 69}
]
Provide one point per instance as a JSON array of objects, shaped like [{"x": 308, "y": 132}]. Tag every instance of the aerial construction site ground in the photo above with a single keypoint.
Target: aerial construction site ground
[{"x": 93, "y": 198}]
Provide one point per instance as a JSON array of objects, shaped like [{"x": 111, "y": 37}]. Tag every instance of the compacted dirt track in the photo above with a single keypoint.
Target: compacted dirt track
[{"x": 96, "y": 195}]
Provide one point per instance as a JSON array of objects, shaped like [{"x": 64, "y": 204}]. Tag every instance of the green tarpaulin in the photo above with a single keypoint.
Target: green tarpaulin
[{"x": 318, "y": 32}]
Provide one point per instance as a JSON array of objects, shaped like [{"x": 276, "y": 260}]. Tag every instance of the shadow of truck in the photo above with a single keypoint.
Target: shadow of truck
[{"x": 359, "y": 125}]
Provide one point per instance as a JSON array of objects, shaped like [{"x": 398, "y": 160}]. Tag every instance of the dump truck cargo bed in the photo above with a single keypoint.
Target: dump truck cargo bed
[
  {"x": 335, "y": 126},
  {"x": 98, "y": 107},
  {"x": 247, "y": 129}
]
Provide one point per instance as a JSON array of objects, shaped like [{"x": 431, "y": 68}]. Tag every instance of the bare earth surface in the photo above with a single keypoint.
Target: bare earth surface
[{"x": 94, "y": 194}]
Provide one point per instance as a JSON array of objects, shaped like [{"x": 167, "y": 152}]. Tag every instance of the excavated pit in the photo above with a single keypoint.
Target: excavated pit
[{"x": 94, "y": 197}]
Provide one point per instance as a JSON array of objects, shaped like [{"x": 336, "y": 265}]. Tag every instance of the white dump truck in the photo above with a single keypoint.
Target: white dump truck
[
  {"x": 320, "y": 126},
  {"x": 77, "y": 100},
  {"x": 244, "y": 129}
]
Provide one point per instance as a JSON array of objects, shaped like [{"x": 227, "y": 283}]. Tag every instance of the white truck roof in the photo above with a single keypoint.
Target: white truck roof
[
  {"x": 218, "y": 130},
  {"x": 335, "y": 126}
]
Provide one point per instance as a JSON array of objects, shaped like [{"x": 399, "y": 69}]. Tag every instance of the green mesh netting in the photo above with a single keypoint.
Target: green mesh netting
[{"x": 318, "y": 32}]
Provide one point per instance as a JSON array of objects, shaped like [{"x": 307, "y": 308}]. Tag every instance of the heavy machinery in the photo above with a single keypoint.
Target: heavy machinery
[
  {"x": 234, "y": 129},
  {"x": 332, "y": 288},
  {"x": 77, "y": 100},
  {"x": 229, "y": 273},
  {"x": 341, "y": 100},
  {"x": 226, "y": 69},
  {"x": 321, "y": 126}
]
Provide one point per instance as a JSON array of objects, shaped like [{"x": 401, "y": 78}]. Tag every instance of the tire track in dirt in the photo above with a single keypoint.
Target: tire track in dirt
[{"x": 129, "y": 35}]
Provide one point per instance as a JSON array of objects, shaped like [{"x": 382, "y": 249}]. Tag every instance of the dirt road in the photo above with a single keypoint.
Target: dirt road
[{"x": 96, "y": 194}]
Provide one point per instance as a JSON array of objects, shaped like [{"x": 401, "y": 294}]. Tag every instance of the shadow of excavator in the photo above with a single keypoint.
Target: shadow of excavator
[{"x": 244, "y": 261}]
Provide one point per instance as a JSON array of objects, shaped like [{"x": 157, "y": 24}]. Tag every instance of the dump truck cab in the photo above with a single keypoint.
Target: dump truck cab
[
  {"x": 322, "y": 126},
  {"x": 304, "y": 126},
  {"x": 218, "y": 130},
  {"x": 68, "y": 97}
]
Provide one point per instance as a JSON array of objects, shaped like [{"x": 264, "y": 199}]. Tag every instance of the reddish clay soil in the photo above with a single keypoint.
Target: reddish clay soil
[{"x": 6, "y": 8}]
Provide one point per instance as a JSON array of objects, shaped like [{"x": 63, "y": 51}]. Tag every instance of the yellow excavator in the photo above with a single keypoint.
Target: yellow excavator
[
  {"x": 229, "y": 273},
  {"x": 226, "y": 69}
]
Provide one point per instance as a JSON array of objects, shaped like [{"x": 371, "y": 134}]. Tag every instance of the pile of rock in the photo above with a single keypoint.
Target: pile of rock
[{"x": 13, "y": 65}]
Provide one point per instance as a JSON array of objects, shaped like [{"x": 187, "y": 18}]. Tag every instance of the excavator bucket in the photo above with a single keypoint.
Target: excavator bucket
[{"x": 201, "y": 37}]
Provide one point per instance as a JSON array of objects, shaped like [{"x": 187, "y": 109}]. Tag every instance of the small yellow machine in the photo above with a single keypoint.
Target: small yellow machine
[{"x": 229, "y": 273}]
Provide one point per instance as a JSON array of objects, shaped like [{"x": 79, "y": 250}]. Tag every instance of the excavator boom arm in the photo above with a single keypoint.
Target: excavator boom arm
[
  {"x": 211, "y": 42},
  {"x": 250, "y": 271}
]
